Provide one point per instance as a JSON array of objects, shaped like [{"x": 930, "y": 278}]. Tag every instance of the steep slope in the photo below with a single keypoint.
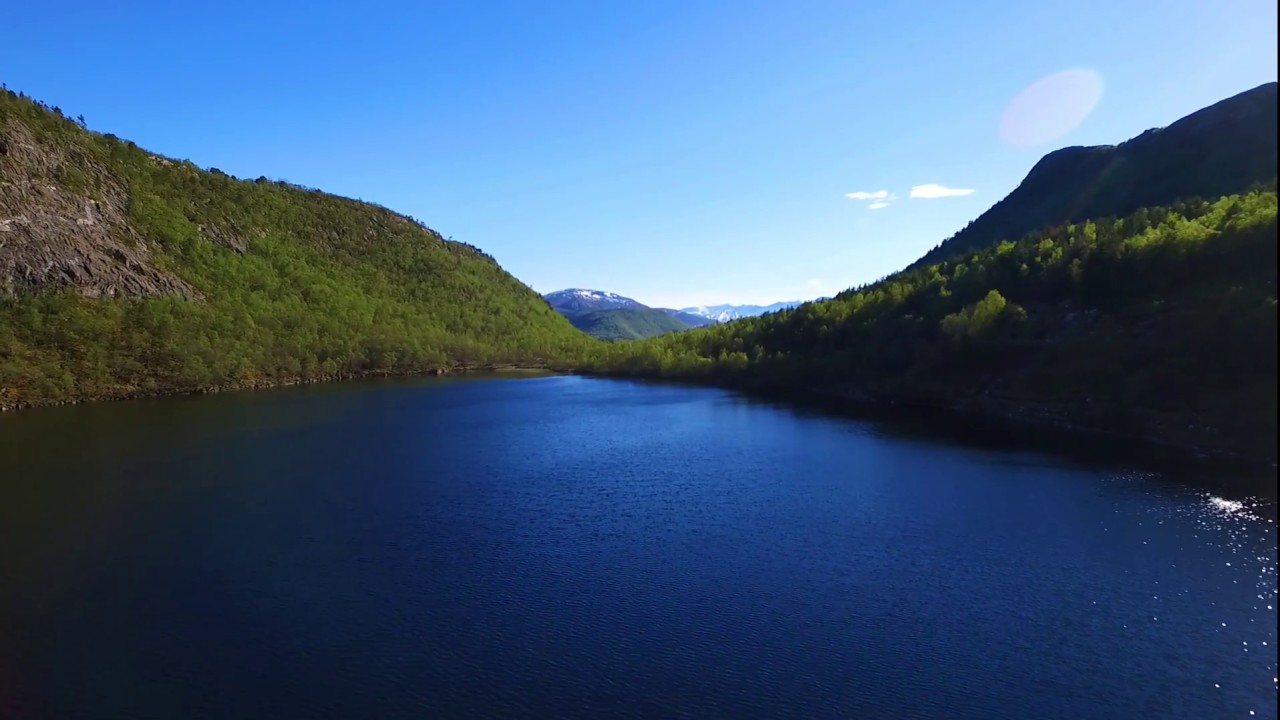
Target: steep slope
[
  {"x": 609, "y": 316},
  {"x": 626, "y": 324},
  {"x": 1223, "y": 149},
  {"x": 124, "y": 273},
  {"x": 1161, "y": 325}
]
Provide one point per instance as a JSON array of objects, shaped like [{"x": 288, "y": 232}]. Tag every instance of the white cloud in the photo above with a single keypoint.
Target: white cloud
[
  {"x": 816, "y": 283},
  {"x": 933, "y": 190},
  {"x": 881, "y": 198}
]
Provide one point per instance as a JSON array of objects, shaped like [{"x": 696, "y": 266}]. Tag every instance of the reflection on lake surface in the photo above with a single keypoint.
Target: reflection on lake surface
[{"x": 569, "y": 547}]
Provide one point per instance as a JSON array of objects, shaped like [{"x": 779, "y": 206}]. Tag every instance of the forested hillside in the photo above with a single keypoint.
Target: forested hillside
[
  {"x": 123, "y": 273},
  {"x": 626, "y": 324},
  {"x": 609, "y": 316},
  {"x": 1220, "y": 150},
  {"x": 1160, "y": 324}
]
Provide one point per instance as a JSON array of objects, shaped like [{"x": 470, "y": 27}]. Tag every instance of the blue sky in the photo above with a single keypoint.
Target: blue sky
[{"x": 679, "y": 153}]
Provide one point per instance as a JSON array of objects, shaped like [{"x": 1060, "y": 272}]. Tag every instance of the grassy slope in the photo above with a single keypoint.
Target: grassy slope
[
  {"x": 326, "y": 286},
  {"x": 1160, "y": 325}
]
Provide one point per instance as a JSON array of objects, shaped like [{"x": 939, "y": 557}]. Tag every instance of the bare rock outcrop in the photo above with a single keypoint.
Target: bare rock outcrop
[{"x": 64, "y": 222}]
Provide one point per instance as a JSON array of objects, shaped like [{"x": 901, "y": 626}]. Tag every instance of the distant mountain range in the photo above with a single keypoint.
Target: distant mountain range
[
  {"x": 725, "y": 313},
  {"x": 688, "y": 318},
  {"x": 575, "y": 300},
  {"x": 610, "y": 316},
  {"x": 1226, "y": 148}
]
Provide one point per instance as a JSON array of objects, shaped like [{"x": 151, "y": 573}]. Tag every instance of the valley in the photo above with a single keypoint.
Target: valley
[
  {"x": 127, "y": 273},
  {"x": 639, "y": 360}
]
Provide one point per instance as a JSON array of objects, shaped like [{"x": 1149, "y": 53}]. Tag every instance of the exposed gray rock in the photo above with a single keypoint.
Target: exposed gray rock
[{"x": 52, "y": 235}]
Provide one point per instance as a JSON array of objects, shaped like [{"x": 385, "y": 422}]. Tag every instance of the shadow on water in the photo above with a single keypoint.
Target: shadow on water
[
  {"x": 1218, "y": 475},
  {"x": 573, "y": 547},
  {"x": 119, "y": 427},
  {"x": 102, "y": 431}
]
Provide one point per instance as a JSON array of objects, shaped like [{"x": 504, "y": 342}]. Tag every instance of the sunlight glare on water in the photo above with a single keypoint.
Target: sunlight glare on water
[
  {"x": 1224, "y": 506},
  {"x": 1050, "y": 107},
  {"x": 1246, "y": 528},
  {"x": 574, "y": 547}
]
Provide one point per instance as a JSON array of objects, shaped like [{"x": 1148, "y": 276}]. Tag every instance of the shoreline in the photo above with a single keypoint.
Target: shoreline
[
  {"x": 1006, "y": 413},
  {"x": 270, "y": 383}
]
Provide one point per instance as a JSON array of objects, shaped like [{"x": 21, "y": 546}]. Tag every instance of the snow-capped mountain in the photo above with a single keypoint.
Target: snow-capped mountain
[
  {"x": 576, "y": 300},
  {"x": 688, "y": 318},
  {"x": 725, "y": 313},
  {"x": 610, "y": 316}
]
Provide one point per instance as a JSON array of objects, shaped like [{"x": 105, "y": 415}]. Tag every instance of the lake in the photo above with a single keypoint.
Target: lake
[{"x": 585, "y": 548}]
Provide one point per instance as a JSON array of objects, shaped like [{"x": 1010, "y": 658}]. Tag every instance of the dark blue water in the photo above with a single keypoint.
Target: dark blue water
[{"x": 565, "y": 547}]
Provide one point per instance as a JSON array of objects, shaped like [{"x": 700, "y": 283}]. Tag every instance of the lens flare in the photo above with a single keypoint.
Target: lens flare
[{"x": 1050, "y": 107}]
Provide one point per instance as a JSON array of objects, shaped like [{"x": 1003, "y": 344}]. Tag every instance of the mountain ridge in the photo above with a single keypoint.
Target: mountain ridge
[
  {"x": 687, "y": 318},
  {"x": 1158, "y": 325},
  {"x": 728, "y": 312},
  {"x": 1223, "y": 149},
  {"x": 125, "y": 273},
  {"x": 579, "y": 299},
  {"x": 609, "y": 316},
  {"x": 584, "y": 308},
  {"x": 1101, "y": 326}
]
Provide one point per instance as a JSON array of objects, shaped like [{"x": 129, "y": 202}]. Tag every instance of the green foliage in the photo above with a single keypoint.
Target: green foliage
[
  {"x": 1224, "y": 149},
  {"x": 294, "y": 285},
  {"x": 626, "y": 323},
  {"x": 1166, "y": 316},
  {"x": 978, "y": 321}
]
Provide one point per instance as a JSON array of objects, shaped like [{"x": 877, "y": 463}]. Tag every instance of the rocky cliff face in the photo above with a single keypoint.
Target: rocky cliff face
[
  {"x": 123, "y": 273},
  {"x": 64, "y": 221}
]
